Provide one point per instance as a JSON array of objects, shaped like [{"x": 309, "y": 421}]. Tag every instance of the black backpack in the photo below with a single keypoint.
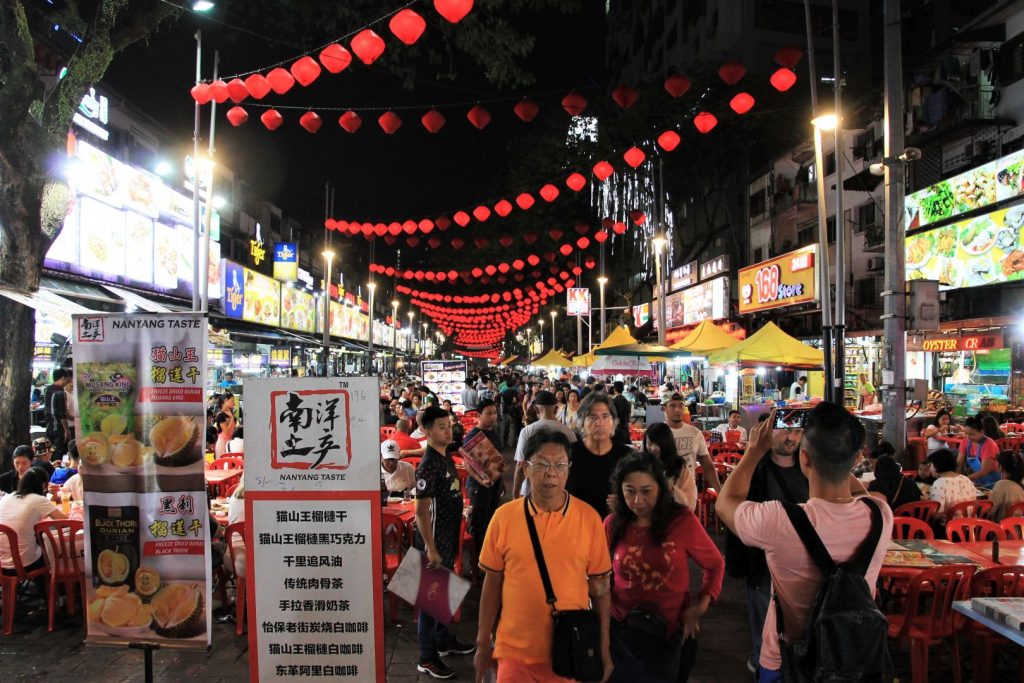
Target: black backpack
[{"x": 846, "y": 635}]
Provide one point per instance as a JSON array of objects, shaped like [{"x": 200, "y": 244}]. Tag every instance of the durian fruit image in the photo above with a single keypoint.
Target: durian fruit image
[
  {"x": 93, "y": 449},
  {"x": 125, "y": 451},
  {"x": 175, "y": 441},
  {"x": 178, "y": 611},
  {"x": 112, "y": 566},
  {"x": 147, "y": 582},
  {"x": 117, "y": 608}
]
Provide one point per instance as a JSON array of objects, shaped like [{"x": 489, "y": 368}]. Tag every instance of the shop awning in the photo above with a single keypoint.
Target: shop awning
[
  {"x": 770, "y": 346},
  {"x": 620, "y": 336},
  {"x": 79, "y": 290},
  {"x": 136, "y": 300},
  {"x": 655, "y": 352},
  {"x": 865, "y": 181},
  {"x": 706, "y": 338},
  {"x": 43, "y": 300},
  {"x": 552, "y": 358}
]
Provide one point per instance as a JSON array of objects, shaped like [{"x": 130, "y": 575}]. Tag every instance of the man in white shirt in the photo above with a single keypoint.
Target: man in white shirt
[
  {"x": 798, "y": 390},
  {"x": 547, "y": 409},
  {"x": 469, "y": 397},
  {"x": 399, "y": 476},
  {"x": 733, "y": 425},
  {"x": 690, "y": 444}
]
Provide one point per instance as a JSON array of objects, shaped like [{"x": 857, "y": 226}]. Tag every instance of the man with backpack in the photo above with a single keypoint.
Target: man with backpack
[{"x": 824, "y": 556}]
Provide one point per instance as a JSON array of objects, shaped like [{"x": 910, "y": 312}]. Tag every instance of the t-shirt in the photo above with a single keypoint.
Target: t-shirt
[
  {"x": 62, "y": 474},
  {"x": 44, "y": 465},
  {"x": 977, "y": 454},
  {"x": 590, "y": 477},
  {"x": 524, "y": 436},
  {"x": 796, "y": 390},
  {"x": 469, "y": 397},
  {"x": 22, "y": 514},
  {"x": 949, "y": 491},
  {"x": 574, "y": 546},
  {"x": 690, "y": 445},
  {"x": 724, "y": 427},
  {"x": 9, "y": 481},
  {"x": 898, "y": 492},
  {"x": 795, "y": 578},
  {"x": 1005, "y": 493},
  {"x": 624, "y": 411},
  {"x": 660, "y": 574},
  {"x": 867, "y": 392},
  {"x": 406, "y": 442},
  {"x": 438, "y": 480},
  {"x": 402, "y": 479}
]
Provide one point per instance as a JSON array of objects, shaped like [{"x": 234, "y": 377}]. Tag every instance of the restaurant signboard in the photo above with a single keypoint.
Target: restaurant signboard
[
  {"x": 298, "y": 310},
  {"x": 577, "y": 302},
  {"x": 139, "y": 392},
  {"x": 313, "y": 532},
  {"x": 785, "y": 280},
  {"x": 980, "y": 342},
  {"x": 683, "y": 276},
  {"x": 707, "y": 301},
  {"x": 286, "y": 262},
  {"x": 714, "y": 266}
]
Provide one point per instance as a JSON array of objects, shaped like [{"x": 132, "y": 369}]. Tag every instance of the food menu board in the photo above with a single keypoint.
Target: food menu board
[
  {"x": 348, "y": 322},
  {"x": 993, "y": 182},
  {"x": 706, "y": 301},
  {"x": 979, "y": 251},
  {"x": 262, "y": 302},
  {"x": 140, "y": 405},
  {"x": 298, "y": 310},
  {"x": 447, "y": 379}
]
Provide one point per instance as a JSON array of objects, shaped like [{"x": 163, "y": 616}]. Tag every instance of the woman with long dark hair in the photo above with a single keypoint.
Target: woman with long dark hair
[
  {"x": 595, "y": 455},
  {"x": 224, "y": 422},
  {"x": 660, "y": 442},
  {"x": 1009, "y": 489},
  {"x": 890, "y": 482},
  {"x": 652, "y": 538},
  {"x": 21, "y": 511},
  {"x": 940, "y": 428}
]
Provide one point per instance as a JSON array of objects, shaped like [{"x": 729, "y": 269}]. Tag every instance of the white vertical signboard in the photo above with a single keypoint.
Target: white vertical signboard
[{"x": 312, "y": 496}]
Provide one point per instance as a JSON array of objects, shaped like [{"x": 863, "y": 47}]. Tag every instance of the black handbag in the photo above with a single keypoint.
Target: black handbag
[{"x": 576, "y": 644}]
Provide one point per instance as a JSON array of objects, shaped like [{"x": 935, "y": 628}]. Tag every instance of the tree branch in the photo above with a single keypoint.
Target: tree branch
[{"x": 19, "y": 80}]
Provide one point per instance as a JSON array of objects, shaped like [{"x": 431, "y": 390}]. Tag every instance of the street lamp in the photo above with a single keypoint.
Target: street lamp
[
  {"x": 602, "y": 281},
  {"x": 553, "y": 335},
  {"x": 540, "y": 324},
  {"x": 328, "y": 259},
  {"x": 394, "y": 336},
  {"x": 659, "y": 243},
  {"x": 830, "y": 334},
  {"x": 412, "y": 334},
  {"x": 369, "y": 341}
]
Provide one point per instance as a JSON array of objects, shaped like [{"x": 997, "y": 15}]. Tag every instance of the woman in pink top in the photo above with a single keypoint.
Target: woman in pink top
[
  {"x": 225, "y": 424},
  {"x": 654, "y": 620},
  {"x": 977, "y": 457}
]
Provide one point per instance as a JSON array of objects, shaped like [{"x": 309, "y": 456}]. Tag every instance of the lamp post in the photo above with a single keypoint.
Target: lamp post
[
  {"x": 821, "y": 123},
  {"x": 394, "y": 336},
  {"x": 659, "y": 247},
  {"x": 540, "y": 324},
  {"x": 412, "y": 333},
  {"x": 602, "y": 281},
  {"x": 369, "y": 341},
  {"x": 328, "y": 258},
  {"x": 554, "y": 341}
]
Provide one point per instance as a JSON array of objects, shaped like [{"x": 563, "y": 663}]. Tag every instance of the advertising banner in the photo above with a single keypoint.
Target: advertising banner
[
  {"x": 447, "y": 379},
  {"x": 979, "y": 251},
  {"x": 993, "y": 182},
  {"x": 350, "y": 323},
  {"x": 262, "y": 302},
  {"x": 141, "y": 429},
  {"x": 706, "y": 301},
  {"x": 641, "y": 314},
  {"x": 313, "y": 532},
  {"x": 234, "y": 290},
  {"x": 577, "y": 301},
  {"x": 785, "y": 280},
  {"x": 683, "y": 276},
  {"x": 280, "y": 357},
  {"x": 298, "y": 310},
  {"x": 713, "y": 267},
  {"x": 286, "y": 262}
]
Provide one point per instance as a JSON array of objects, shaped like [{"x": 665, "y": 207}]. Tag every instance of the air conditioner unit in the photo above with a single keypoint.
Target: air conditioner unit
[{"x": 876, "y": 264}]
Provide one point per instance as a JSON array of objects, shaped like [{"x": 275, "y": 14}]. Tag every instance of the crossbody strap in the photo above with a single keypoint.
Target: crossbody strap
[{"x": 539, "y": 554}]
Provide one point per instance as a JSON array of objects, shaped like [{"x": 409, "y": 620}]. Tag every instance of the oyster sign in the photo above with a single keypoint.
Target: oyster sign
[{"x": 140, "y": 424}]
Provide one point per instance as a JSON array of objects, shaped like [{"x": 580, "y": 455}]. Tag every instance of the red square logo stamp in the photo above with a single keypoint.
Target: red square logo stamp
[{"x": 309, "y": 430}]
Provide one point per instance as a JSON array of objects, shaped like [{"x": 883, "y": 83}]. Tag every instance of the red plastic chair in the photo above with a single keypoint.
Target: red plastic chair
[
  {"x": 386, "y": 432},
  {"x": 923, "y": 510},
  {"x": 911, "y": 528},
  {"x": 928, "y": 616},
  {"x": 1010, "y": 443},
  {"x": 1013, "y": 528},
  {"x": 235, "y": 536},
  {"x": 395, "y": 534},
  {"x": 413, "y": 460},
  {"x": 997, "y": 582},
  {"x": 1015, "y": 510},
  {"x": 228, "y": 462},
  {"x": 9, "y": 584},
  {"x": 973, "y": 529},
  {"x": 64, "y": 556},
  {"x": 970, "y": 508},
  {"x": 1013, "y": 427}
]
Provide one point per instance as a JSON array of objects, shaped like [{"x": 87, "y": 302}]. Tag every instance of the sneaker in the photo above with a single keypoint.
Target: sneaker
[
  {"x": 436, "y": 669},
  {"x": 456, "y": 647}
]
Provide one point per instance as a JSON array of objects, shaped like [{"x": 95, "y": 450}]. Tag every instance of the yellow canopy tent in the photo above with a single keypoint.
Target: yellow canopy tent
[
  {"x": 508, "y": 361},
  {"x": 620, "y": 336},
  {"x": 585, "y": 360},
  {"x": 550, "y": 358},
  {"x": 770, "y": 346},
  {"x": 706, "y": 338}
]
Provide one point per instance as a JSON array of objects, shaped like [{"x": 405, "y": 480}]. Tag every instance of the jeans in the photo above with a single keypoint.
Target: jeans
[
  {"x": 432, "y": 633},
  {"x": 757, "y": 610},
  {"x": 768, "y": 675},
  {"x": 485, "y": 500}
]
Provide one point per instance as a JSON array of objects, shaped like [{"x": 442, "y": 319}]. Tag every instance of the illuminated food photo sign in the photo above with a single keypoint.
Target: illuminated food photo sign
[{"x": 785, "y": 280}]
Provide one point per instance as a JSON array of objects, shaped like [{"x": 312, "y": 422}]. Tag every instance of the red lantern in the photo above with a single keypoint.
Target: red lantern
[
  {"x": 529, "y": 237},
  {"x": 576, "y": 270},
  {"x": 367, "y": 46},
  {"x": 306, "y": 70},
  {"x": 419, "y": 276},
  {"x": 576, "y": 182},
  {"x": 335, "y": 58},
  {"x": 583, "y": 242},
  {"x": 237, "y": 116},
  {"x": 442, "y": 223},
  {"x": 524, "y": 201},
  {"x": 453, "y": 10},
  {"x": 332, "y": 224},
  {"x": 490, "y": 270},
  {"x": 311, "y": 121},
  {"x": 272, "y": 119},
  {"x": 426, "y": 225},
  {"x": 565, "y": 249},
  {"x": 603, "y": 170},
  {"x": 668, "y": 140},
  {"x": 237, "y": 90},
  {"x": 638, "y": 216},
  {"x": 434, "y": 242},
  {"x": 589, "y": 263},
  {"x": 481, "y": 213},
  {"x": 409, "y": 227},
  {"x": 457, "y": 243},
  {"x": 549, "y": 192},
  {"x": 526, "y": 109},
  {"x": 452, "y": 275},
  {"x": 732, "y": 72},
  {"x": 582, "y": 228},
  {"x": 705, "y": 121},
  {"x": 518, "y": 264},
  {"x": 619, "y": 228},
  {"x": 280, "y": 80},
  {"x": 201, "y": 93},
  {"x": 625, "y": 96},
  {"x": 506, "y": 241},
  {"x": 519, "y": 278},
  {"x": 433, "y": 120},
  {"x": 440, "y": 276},
  {"x": 550, "y": 256},
  {"x": 789, "y": 56},
  {"x": 350, "y": 121},
  {"x": 380, "y": 229},
  {"x": 412, "y": 242},
  {"x": 257, "y": 86},
  {"x": 553, "y": 269},
  {"x": 677, "y": 85},
  {"x": 389, "y": 122},
  {"x": 503, "y": 208},
  {"x": 783, "y": 79},
  {"x": 634, "y": 156},
  {"x": 390, "y": 239},
  {"x": 574, "y": 103},
  {"x": 394, "y": 228},
  {"x": 741, "y": 103},
  {"x": 407, "y": 26},
  {"x": 555, "y": 234},
  {"x": 476, "y": 272},
  {"x": 462, "y": 218},
  {"x": 219, "y": 91},
  {"x": 601, "y": 236},
  {"x": 479, "y": 116}
]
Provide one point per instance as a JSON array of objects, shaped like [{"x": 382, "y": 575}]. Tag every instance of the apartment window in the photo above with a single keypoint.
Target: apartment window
[
  {"x": 830, "y": 228},
  {"x": 805, "y": 234},
  {"x": 759, "y": 255},
  {"x": 758, "y": 204},
  {"x": 830, "y": 164},
  {"x": 866, "y": 217},
  {"x": 1012, "y": 60}
]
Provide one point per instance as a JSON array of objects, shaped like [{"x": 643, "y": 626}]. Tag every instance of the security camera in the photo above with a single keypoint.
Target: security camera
[
  {"x": 877, "y": 169},
  {"x": 911, "y": 154}
]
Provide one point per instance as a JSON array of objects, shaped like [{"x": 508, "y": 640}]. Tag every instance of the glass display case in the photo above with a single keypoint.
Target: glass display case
[{"x": 970, "y": 399}]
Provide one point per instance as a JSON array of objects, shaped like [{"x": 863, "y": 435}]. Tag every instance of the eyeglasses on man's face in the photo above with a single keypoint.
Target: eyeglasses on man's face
[
  {"x": 599, "y": 417},
  {"x": 544, "y": 467}
]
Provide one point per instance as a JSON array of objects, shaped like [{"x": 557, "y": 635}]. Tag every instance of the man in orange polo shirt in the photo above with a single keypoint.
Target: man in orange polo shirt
[{"x": 576, "y": 555}]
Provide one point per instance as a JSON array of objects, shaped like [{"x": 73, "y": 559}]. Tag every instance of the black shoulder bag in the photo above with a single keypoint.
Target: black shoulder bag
[{"x": 576, "y": 645}]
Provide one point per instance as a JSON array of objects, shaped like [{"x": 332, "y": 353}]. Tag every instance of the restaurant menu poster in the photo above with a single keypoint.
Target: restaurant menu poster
[
  {"x": 313, "y": 529},
  {"x": 447, "y": 379},
  {"x": 139, "y": 396}
]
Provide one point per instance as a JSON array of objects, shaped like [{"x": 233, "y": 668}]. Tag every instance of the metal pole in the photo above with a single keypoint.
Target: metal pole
[
  {"x": 602, "y": 281},
  {"x": 204, "y": 246},
  {"x": 369, "y": 341},
  {"x": 840, "y": 322},
  {"x": 662, "y": 308},
  {"x": 554, "y": 337},
  {"x": 196, "y": 302},
  {"x": 328, "y": 256},
  {"x": 394, "y": 338},
  {"x": 579, "y": 334},
  {"x": 894, "y": 428}
]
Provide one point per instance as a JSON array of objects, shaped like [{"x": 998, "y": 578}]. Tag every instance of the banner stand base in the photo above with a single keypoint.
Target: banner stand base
[{"x": 147, "y": 649}]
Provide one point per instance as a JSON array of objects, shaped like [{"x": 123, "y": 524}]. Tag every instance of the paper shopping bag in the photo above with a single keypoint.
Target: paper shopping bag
[{"x": 438, "y": 592}]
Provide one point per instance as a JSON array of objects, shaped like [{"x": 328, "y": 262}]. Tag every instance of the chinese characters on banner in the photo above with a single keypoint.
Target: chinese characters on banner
[
  {"x": 140, "y": 406},
  {"x": 313, "y": 531}
]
